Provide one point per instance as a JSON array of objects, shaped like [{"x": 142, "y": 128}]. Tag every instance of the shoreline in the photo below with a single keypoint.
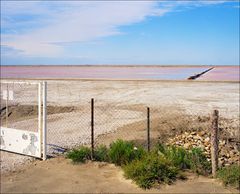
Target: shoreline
[
  {"x": 125, "y": 80},
  {"x": 105, "y": 65}
]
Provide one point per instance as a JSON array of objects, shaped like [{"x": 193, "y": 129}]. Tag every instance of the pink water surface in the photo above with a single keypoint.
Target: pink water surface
[
  {"x": 225, "y": 73},
  {"x": 120, "y": 72}
]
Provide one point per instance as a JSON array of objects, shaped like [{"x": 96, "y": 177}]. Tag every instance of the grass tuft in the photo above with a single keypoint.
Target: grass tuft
[
  {"x": 198, "y": 162},
  {"x": 123, "y": 152},
  {"x": 101, "y": 154},
  {"x": 150, "y": 170},
  {"x": 193, "y": 159},
  {"x": 230, "y": 175},
  {"x": 79, "y": 155}
]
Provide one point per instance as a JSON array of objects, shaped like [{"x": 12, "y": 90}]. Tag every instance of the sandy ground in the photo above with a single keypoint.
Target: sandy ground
[
  {"x": 59, "y": 175},
  {"x": 193, "y": 97},
  {"x": 118, "y": 104}
]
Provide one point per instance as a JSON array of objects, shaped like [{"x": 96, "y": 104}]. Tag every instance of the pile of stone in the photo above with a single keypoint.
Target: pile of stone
[{"x": 228, "y": 153}]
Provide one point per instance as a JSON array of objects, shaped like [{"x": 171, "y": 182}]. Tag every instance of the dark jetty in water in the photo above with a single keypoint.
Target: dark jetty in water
[{"x": 193, "y": 77}]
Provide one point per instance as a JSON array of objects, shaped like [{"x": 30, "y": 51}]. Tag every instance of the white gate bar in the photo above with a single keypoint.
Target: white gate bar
[
  {"x": 7, "y": 107},
  {"x": 44, "y": 120},
  {"x": 40, "y": 115}
]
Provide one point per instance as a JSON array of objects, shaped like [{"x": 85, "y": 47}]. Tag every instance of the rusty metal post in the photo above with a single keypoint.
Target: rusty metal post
[
  {"x": 214, "y": 142},
  {"x": 148, "y": 129},
  {"x": 92, "y": 128}
]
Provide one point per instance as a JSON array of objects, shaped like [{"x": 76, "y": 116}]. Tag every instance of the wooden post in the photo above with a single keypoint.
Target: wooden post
[
  {"x": 148, "y": 129},
  {"x": 92, "y": 128},
  {"x": 214, "y": 143}
]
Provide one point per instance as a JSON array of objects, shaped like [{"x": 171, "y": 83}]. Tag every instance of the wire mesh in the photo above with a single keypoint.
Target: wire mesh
[
  {"x": 118, "y": 114},
  {"x": 19, "y": 105},
  {"x": 19, "y": 110},
  {"x": 119, "y": 122}
]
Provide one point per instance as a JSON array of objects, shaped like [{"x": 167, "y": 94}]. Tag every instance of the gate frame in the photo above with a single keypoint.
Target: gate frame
[{"x": 42, "y": 114}]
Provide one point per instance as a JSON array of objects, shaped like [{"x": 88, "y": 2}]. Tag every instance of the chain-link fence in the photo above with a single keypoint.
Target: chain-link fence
[
  {"x": 121, "y": 113},
  {"x": 99, "y": 124},
  {"x": 19, "y": 105}
]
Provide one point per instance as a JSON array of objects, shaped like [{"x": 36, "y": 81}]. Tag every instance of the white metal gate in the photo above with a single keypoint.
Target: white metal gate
[{"x": 23, "y": 117}]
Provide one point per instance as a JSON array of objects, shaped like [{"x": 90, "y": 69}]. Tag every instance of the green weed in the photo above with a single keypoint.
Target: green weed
[
  {"x": 150, "y": 170},
  {"x": 198, "y": 162},
  {"x": 193, "y": 159},
  {"x": 230, "y": 175},
  {"x": 122, "y": 152},
  {"x": 101, "y": 154},
  {"x": 79, "y": 155}
]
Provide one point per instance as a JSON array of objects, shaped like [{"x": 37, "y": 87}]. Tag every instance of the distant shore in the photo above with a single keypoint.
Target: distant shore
[
  {"x": 116, "y": 80},
  {"x": 122, "y": 73},
  {"x": 119, "y": 65}
]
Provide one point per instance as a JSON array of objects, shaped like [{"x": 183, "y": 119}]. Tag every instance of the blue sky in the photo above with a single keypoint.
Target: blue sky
[{"x": 127, "y": 32}]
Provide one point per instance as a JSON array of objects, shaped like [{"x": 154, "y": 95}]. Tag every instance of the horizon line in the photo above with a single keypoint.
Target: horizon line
[{"x": 121, "y": 65}]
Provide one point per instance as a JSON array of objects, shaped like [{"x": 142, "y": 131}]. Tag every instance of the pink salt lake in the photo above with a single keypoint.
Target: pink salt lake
[{"x": 219, "y": 73}]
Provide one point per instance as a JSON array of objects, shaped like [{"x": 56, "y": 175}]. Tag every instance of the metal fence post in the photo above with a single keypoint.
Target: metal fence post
[
  {"x": 214, "y": 142},
  {"x": 148, "y": 129},
  {"x": 92, "y": 128},
  {"x": 44, "y": 120}
]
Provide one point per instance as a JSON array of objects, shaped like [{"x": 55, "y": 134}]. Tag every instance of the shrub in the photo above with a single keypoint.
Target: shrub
[
  {"x": 122, "y": 152},
  {"x": 177, "y": 155},
  {"x": 79, "y": 155},
  {"x": 101, "y": 154},
  {"x": 230, "y": 175},
  {"x": 150, "y": 170},
  {"x": 198, "y": 161},
  {"x": 183, "y": 159}
]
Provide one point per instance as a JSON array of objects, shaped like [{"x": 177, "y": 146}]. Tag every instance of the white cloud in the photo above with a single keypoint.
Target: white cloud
[
  {"x": 74, "y": 21},
  {"x": 213, "y": 2}
]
